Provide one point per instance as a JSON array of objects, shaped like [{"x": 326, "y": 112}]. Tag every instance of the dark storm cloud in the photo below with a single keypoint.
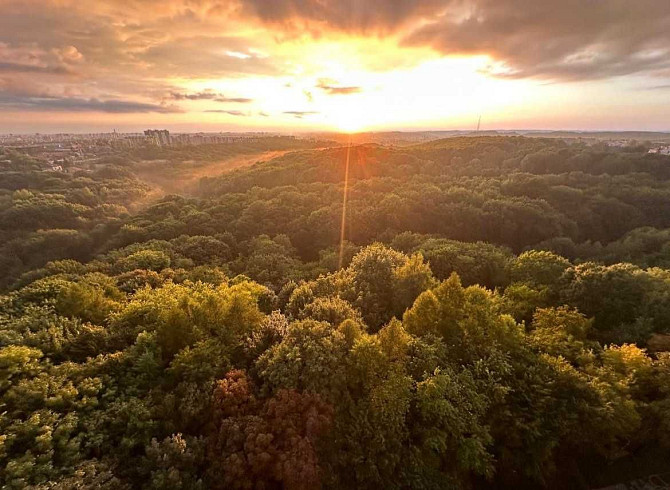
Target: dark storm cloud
[
  {"x": 550, "y": 39},
  {"x": 75, "y": 104}
]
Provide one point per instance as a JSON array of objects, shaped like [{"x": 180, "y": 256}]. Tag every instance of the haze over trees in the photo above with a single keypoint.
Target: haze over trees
[{"x": 501, "y": 321}]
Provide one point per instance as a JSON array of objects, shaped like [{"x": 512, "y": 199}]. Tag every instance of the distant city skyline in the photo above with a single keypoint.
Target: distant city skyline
[{"x": 289, "y": 65}]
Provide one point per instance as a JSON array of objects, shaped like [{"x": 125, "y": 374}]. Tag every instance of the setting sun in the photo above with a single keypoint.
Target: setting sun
[
  {"x": 352, "y": 125},
  {"x": 347, "y": 120}
]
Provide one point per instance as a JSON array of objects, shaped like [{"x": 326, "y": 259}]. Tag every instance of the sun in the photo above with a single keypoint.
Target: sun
[
  {"x": 350, "y": 126},
  {"x": 348, "y": 121}
]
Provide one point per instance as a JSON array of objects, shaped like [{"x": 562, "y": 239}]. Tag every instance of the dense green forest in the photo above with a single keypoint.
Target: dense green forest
[{"x": 501, "y": 319}]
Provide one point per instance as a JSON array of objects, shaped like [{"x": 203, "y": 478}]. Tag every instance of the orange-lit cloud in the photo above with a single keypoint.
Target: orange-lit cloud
[
  {"x": 563, "y": 39},
  {"x": 557, "y": 39},
  {"x": 208, "y": 95},
  {"x": 332, "y": 88}
]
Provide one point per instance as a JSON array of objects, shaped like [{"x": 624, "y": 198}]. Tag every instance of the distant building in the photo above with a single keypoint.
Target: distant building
[
  {"x": 131, "y": 141},
  {"x": 160, "y": 137},
  {"x": 661, "y": 150}
]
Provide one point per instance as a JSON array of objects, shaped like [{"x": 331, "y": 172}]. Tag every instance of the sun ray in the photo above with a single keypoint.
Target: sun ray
[{"x": 344, "y": 204}]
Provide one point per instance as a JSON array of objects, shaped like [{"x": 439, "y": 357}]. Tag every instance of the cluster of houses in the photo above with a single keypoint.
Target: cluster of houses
[{"x": 661, "y": 150}]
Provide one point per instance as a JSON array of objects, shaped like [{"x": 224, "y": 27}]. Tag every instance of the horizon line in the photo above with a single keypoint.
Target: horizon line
[{"x": 324, "y": 131}]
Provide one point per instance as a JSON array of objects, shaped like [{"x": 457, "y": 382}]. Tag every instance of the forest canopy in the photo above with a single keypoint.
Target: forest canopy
[{"x": 500, "y": 319}]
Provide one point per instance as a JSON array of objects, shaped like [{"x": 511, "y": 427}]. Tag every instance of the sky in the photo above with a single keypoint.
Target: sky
[{"x": 348, "y": 65}]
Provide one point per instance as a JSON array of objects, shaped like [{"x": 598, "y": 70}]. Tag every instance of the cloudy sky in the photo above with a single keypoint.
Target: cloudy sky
[{"x": 70, "y": 65}]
